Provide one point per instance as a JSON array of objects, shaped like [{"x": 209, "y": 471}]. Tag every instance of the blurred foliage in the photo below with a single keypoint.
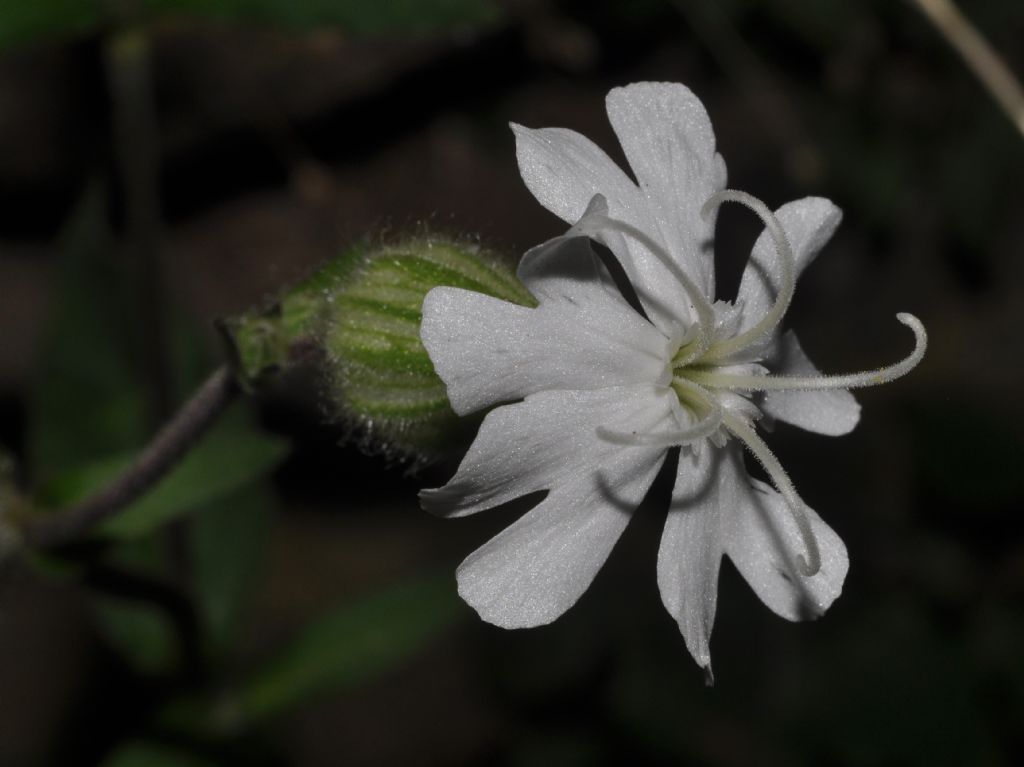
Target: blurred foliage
[
  {"x": 143, "y": 754},
  {"x": 228, "y": 542},
  {"x": 229, "y": 457},
  {"x": 919, "y": 663},
  {"x": 142, "y": 634},
  {"x": 346, "y": 646},
  {"x": 85, "y": 399},
  {"x": 163, "y": 614},
  {"x": 91, "y": 415},
  {"x": 26, "y": 21},
  {"x": 352, "y": 644},
  {"x": 89, "y": 410},
  {"x": 157, "y": 629}
]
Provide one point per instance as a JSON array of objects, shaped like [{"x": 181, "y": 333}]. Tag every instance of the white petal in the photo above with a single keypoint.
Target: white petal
[
  {"x": 832, "y": 412},
  {"x": 762, "y": 540},
  {"x": 581, "y": 336},
  {"x": 669, "y": 142},
  {"x": 564, "y": 170},
  {"x": 808, "y": 224},
  {"x": 566, "y": 270},
  {"x": 691, "y": 546},
  {"x": 537, "y": 568},
  {"x": 663, "y": 296},
  {"x": 547, "y": 441}
]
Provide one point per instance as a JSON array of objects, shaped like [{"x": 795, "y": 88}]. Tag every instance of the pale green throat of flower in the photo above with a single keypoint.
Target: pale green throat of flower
[{"x": 697, "y": 374}]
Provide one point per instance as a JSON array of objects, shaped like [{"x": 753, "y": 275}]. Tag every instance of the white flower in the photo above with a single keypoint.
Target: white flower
[{"x": 600, "y": 391}]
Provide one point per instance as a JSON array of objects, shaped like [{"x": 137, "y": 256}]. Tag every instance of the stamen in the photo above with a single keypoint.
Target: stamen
[
  {"x": 811, "y": 564},
  {"x": 595, "y": 222},
  {"x": 787, "y": 264},
  {"x": 818, "y": 383}
]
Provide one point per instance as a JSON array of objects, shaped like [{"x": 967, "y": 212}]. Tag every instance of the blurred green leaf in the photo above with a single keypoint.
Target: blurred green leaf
[
  {"x": 227, "y": 539},
  {"x": 24, "y": 21},
  {"x": 89, "y": 416},
  {"x": 135, "y": 627},
  {"x": 86, "y": 400},
  {"x": 227, "y": 546},
  {"x": 143, "y": 754},
  {"x": 233, "y": 454},
  {"x": 27, "y": 21},
  {"x": 347, "y": 646},
  {"x": 140, "y": 632},
  {"x": 77, "y": 483},
  {"x": 353, "y": 644},
  {"x": 355, "y": 16},
  {"x": 228, "y": 458}
]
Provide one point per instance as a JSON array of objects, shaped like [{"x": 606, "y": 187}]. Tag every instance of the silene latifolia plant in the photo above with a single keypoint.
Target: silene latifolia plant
[
  {"x": 602, "y": 387},
  {"x": 594, "y": 370}
]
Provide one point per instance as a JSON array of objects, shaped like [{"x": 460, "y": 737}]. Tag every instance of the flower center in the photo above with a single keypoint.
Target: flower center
[{"x": 703, "y": 368}]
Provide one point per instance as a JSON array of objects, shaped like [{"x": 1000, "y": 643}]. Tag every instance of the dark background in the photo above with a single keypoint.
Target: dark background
[{"x": 271, "y": 146}]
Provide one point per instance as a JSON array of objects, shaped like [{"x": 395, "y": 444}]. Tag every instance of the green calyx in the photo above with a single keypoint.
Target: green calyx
[
  {"x": 361, "y": 315},
  {"x": 382, "y": 377}
]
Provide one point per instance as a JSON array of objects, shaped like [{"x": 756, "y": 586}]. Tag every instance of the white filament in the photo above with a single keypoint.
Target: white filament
[
  {"x": 811, "y": 564},
  {"x": 787, "y": 264},
  {"x": 816, "y": 383}
]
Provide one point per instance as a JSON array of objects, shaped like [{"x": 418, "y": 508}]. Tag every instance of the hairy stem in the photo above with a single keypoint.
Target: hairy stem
[{"x": 168, "y": 447}]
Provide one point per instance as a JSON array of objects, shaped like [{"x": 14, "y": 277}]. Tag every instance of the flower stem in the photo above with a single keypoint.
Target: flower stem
[
  {"x": 168, "y": 447},
  {"x": 979, "y": 56}
]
